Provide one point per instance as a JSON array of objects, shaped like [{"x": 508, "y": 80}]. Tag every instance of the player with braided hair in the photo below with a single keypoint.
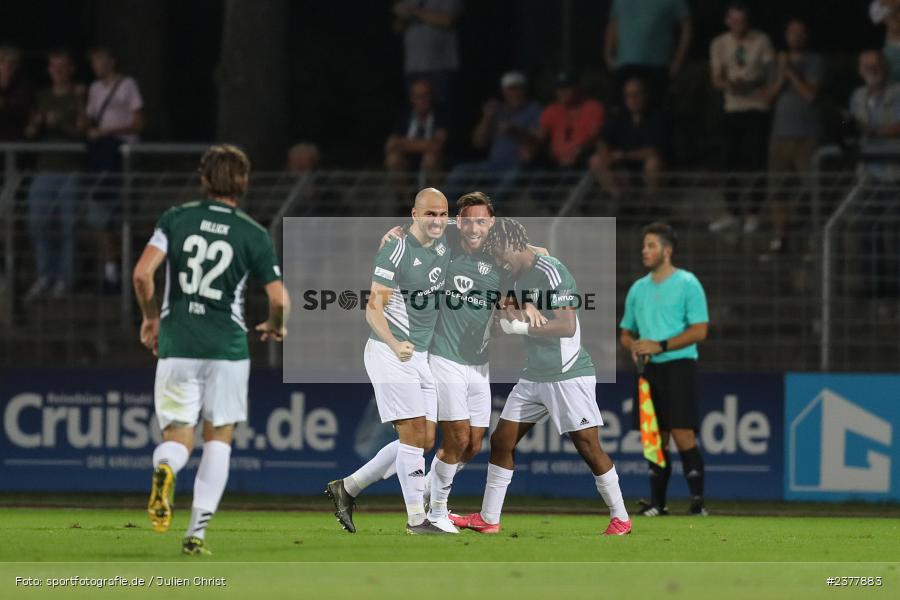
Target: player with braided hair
[{"x": 559, "y": 380}]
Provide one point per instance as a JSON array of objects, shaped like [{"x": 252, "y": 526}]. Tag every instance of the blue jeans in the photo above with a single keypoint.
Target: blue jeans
[
  {"x": 497, "y": 180},
  {"x": 52, "y": 199}
]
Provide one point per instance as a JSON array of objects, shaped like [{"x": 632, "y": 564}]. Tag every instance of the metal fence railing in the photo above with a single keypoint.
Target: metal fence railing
[
  {"x": 767, "y": 308},
  {"x": 861, "y": 279}
]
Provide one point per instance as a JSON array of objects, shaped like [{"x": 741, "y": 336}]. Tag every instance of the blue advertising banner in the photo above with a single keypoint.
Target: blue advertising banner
[
  {"x": 94, "y": 430},
  {"x": 841, "y": 435}
]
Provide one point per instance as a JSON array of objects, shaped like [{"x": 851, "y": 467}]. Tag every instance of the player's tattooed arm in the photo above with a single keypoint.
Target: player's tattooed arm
[
  {"x": 274, "y": 328},
  {"x": 378, "y": 299},
  {"x": 145, "y": 293}
]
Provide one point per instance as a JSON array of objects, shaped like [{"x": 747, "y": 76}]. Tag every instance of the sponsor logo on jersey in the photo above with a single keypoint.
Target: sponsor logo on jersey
[
  {"x": 433, "y": 274},
  {"x": 417, "y": 262},
  {"x": 484, "y": 268},
  {"x": 384, "y": 273},
  {"x": 440, "y": 249},
  {"x": 462, "y": 283}
]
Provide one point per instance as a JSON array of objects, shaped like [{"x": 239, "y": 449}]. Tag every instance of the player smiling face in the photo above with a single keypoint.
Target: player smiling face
[
  {"x": 508, "y": 244},
  {"x": 474, "y": 224},
  {"x": 430, "y": 213}
]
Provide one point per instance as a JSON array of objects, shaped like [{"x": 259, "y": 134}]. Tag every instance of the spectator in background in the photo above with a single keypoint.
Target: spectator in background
[
  {"x": 16, "y": 96},
  {"x": 740, "y": 60},
  {"x": 58, "y": 117},
  {"x": 115, "y": 116},
  {"x": 429, "y": 43},
  {"x": 795, "y": 124},
  {"x": 571, "y": 124},
  {"x": 509, "y": 129},
  {"x": 888, "y": 12},
  {"x": 302, "y": 158},
  {"x": 633, "y": 140},
  {"x": 875, "y": 107},
  {"x": 417, "y": 142},
  {"x": 640, "y": 42}
]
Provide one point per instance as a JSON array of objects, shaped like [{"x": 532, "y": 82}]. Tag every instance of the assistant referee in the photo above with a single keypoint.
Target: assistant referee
[{"x": 665, "y": 317}]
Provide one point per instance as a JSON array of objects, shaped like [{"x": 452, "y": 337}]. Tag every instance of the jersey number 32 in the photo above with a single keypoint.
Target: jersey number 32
[{"x": 199, "y": 251}]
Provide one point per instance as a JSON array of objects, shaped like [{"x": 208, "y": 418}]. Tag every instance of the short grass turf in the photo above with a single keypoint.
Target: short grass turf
[{"x": 270, "y": 554}]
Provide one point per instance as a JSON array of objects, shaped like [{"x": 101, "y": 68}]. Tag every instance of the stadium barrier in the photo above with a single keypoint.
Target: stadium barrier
[
  {"x": 769, "y": 311},
  {"x": 94, "y": 430}
]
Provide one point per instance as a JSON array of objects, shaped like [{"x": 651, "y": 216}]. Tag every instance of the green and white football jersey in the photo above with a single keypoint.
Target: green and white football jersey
[
  {"x": 417, "y": 275},
  {"x": 211, "y": 250},
  {"x": 474, "y": 284},
  {"x": 553, "y": 359}
]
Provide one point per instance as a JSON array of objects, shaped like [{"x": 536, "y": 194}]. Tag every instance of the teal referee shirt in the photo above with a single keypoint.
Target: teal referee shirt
[{"x": 660, "y": 311}]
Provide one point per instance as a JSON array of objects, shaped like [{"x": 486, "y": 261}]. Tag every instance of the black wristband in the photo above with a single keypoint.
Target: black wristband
[{"x": 664, "y": 345}]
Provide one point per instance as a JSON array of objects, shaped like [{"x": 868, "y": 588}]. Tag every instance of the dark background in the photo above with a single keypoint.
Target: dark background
[{"x": 342, "y": 64}]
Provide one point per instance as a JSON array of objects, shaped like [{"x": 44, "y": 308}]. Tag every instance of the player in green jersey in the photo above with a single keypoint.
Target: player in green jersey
[
  {"x": 559, "y": 380},
  {"x": 407, "y": 283},
  {"x": 459, "y": 349},
  {"x": 210, "y": 248},
  {"x": 458, "y": 360}
]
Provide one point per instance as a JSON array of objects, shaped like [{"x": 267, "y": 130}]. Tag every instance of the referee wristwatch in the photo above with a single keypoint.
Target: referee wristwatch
[{"x": 664, "y": 344}]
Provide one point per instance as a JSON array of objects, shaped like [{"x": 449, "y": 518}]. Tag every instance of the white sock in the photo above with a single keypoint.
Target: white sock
[
  {"x": 498, "y": 480},
  {"x": 442, "y": 481},
  {"x": 608, "y": 486},
  {"x": 411, "y": 473},
  {"x": 199, "y": 520},
  {"x": 372, "y": 471},
  {"x": 173, "y": 454},
  {"x": 209, "y": 485}
]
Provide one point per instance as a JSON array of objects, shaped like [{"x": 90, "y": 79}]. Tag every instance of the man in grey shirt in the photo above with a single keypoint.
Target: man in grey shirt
[
  {"x": 429, "y": 43},
  {"x": 797, "y": 76}
]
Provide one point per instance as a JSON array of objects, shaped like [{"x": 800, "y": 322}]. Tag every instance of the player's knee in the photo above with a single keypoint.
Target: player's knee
[
  {"x": 458, "y": 439},
  {"x": 501, "y": 444},
  {"x": 472, "y": 448}
]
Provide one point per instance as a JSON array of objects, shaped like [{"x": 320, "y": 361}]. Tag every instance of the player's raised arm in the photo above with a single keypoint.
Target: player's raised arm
[
  {"x": 279, "y": 309},
  {"x": 378, "y": 299},
  {"x": 144, "y": 292}
]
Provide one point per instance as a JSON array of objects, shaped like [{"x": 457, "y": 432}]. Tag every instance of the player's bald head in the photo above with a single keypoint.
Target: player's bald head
[
  {"x": 430, "y": 198},
  {"x": 430, "y": 212}
]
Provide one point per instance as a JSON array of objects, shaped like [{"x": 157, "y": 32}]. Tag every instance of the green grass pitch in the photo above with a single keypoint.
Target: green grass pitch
[{"x": 270, "y": 554}]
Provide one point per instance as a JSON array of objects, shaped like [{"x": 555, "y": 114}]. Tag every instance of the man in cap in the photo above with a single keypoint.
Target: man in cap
[{"x": 508, "y": 129}]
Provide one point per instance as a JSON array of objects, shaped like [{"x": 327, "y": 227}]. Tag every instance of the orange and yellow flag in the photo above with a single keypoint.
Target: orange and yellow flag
[{"x": 650, "y": 438}]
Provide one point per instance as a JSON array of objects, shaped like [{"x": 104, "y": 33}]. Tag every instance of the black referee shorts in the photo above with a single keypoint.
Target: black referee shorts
[{"x": 673, "y": 387}]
